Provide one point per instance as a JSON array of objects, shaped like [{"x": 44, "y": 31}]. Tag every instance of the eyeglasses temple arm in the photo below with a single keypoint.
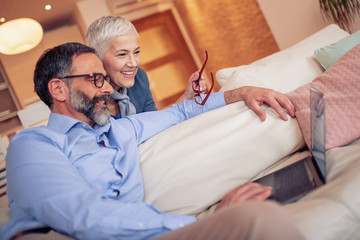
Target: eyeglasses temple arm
[
  {"x": 208, "y": 94},
  {"x": 200, "y": 73}
]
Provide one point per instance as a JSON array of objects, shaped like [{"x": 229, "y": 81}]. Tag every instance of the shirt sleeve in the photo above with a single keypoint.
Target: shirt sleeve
[
  {"x": 43, "y": 184},
  {"x": 149, "y": 124}
]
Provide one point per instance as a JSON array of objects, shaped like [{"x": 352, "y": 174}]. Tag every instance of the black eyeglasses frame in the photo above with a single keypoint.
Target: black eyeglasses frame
[{"x": 98, "y": 82}]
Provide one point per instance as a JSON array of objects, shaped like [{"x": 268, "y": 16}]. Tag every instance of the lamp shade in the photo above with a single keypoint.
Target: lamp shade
[{"x": 19, "y": 35}]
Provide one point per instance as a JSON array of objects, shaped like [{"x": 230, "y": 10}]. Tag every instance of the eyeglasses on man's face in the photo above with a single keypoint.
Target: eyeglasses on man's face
[
  {"x": 97, "y": 78},
  {"x": 198, "y": 98}
]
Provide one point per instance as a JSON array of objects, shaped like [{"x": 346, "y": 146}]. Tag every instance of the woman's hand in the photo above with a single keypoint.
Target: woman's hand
[{"x": 197, "y": 84}]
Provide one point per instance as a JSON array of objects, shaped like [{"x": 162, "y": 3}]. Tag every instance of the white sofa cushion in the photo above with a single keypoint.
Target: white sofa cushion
[
  {"x": 194, "y": 164},
  {"x": 286, "y": 70}
]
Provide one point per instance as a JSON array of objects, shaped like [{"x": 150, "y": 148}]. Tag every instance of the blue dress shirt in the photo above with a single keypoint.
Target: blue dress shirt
[{"x": 86, "y": 182}]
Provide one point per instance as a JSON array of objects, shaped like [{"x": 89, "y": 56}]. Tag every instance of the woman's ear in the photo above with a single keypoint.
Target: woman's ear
[{"x": 58, "y": 89}]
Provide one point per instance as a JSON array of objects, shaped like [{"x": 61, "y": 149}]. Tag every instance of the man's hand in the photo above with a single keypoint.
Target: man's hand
[
  {"x": 254, "y": 97},
  {"x": 247, "y": 192},
  {"x": 189, "y": 94}
]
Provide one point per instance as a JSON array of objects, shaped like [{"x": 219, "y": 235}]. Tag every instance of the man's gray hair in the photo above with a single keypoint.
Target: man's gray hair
[{"x": 103, "y": 30}]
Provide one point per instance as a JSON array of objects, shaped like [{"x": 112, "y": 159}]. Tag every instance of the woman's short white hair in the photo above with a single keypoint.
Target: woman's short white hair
[{"x": 103, "y": 30}]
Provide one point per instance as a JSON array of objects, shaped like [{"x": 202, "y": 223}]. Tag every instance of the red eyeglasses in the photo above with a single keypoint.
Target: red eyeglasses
[{"x": 198, "y": 98}]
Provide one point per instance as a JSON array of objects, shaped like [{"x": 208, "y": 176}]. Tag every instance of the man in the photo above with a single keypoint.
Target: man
[{"x": 79, "y": 177}]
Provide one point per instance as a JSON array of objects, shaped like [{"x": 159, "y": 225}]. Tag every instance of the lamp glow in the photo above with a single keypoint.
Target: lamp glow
[{"x": 19, "y": 35}]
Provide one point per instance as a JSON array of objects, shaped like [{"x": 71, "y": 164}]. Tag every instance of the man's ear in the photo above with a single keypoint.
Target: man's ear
[{"x": 58, "y": 89}]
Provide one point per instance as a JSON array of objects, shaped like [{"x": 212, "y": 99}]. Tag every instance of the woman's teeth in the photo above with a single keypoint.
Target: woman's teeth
[{"x": 127, "y": 73}]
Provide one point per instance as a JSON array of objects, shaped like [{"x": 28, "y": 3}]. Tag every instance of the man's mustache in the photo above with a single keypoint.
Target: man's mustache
[{"x": 101, "y": 98}]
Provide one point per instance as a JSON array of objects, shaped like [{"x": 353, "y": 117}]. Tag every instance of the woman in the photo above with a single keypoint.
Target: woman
[{"x": 116, "y": 42}]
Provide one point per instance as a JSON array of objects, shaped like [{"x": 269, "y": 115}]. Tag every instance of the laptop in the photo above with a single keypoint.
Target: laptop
[{"x": 298, "y": 179}]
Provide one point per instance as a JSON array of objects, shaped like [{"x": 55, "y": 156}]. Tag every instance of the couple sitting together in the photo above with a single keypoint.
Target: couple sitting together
[{"x": 79, "y": 177}]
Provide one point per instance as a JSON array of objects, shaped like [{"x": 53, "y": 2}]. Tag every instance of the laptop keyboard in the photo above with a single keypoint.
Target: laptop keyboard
[{"x": 292, "y": 181}]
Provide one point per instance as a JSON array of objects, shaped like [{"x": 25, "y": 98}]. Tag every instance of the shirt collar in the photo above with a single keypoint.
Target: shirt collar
[{"x": 63, "y": 124}]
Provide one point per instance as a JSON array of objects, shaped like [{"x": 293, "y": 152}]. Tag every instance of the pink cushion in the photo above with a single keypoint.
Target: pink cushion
[{"x": 341, "y": 86}]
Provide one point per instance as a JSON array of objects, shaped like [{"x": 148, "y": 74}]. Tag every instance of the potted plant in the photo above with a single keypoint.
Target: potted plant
[{"x": 341, "y": 12}]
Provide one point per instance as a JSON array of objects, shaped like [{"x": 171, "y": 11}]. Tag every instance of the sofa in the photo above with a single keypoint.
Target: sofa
[{"x": 189, "y": 167}]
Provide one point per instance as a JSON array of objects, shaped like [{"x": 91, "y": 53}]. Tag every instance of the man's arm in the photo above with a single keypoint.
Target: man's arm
[
  {"x": 148, "y": 124},
  {"x": 255, "y": 97}
]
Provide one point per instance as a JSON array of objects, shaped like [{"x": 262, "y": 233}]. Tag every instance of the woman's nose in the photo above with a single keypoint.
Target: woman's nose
[{"x": 132, "y": 61}]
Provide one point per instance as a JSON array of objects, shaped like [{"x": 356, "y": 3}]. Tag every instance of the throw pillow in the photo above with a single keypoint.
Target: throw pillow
[
  {"x": 330, "y": 54},
  {"x": 341, "y": 86}
]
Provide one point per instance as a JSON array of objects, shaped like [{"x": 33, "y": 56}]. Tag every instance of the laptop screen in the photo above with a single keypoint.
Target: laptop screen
[{"x": 318, "y": 130}]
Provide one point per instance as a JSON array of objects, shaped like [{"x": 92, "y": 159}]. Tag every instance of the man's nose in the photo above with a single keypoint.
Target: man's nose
[{"x": 107, "y": 88}]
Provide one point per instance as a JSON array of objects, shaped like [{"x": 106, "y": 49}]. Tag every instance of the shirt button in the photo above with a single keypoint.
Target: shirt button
[
  {"x": 140, "y": 225},
  {"x": 181, "y": 225}
]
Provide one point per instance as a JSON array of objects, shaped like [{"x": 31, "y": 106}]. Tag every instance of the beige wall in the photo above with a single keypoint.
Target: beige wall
[
  {"x": 291, "y": 21},
  {"x": 233, "y": 32},
  {"x": 20, "y": 67}
]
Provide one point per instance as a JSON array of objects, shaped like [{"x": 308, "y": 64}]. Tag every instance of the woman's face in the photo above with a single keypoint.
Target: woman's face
[{"x": 122, "y": 59}]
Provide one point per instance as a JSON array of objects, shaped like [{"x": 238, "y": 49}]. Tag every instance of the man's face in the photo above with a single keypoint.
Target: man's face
[
  {"x": 85, "y": 98},
  {"x": 122, "y": 60}
]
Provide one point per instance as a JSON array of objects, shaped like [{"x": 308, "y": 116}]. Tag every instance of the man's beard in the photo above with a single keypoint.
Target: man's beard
[{"x": 82, "y": 103}]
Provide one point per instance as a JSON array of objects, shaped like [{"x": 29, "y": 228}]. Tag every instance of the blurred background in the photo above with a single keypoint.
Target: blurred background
[{"x": 174, "y": 35}]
